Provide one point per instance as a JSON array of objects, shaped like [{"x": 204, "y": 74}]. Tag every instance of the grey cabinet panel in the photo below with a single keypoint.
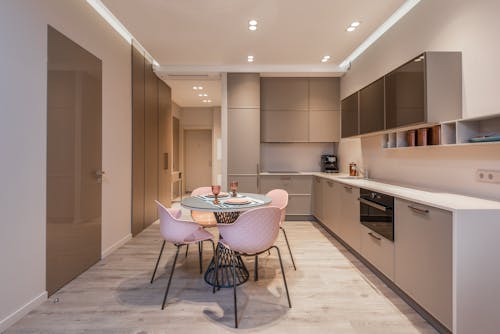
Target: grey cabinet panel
[
  {"x": 317, "y": 200},
  {"x": 246, "y": 183},
  {"x": 285, "y": 126},
  {"x": 349, "y": 223},
  {"x": 378, "y": 250},
  {"x": 284, "y": 93},
  {"x": 244, "y": 140},
  {"x": 324, "y": 126},
  {"x": 371, "y": 107},
  {"x": 293, "y": 184},
  {"x": 324, "y": 94},
  {"x": 331, "y": 204},
  {"x": 243, "y": 90},
  {"x": 350, "y": 116},
  {"x": 299, "y": 205}
]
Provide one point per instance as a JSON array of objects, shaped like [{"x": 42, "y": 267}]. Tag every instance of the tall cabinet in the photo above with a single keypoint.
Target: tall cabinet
[
  {"x": 243, "y": 96},
  {"x": 151, "y": 114}
]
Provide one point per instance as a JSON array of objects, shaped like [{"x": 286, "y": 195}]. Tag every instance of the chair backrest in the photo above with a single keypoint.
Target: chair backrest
[
  {"x": 172, "y": 229},
  {"x": 279, "y": 198},
  {"x": 254, "y": 231},
  {"x": 201, "y": 191}
]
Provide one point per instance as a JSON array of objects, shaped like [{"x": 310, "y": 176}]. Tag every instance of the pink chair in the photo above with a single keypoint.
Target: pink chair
[
  {"x": 180, "y": 233},
  {"x": 279, "y": 199},
  {"x": 254, "y": 232},
  {"x": 205, "y": 219}
]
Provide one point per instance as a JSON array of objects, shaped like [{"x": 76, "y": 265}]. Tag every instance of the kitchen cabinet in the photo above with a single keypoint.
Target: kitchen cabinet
[
  {"x": 300, "y": 110},
  {"x": 348, "y": 222},
  {"x": 317, "y": 200},
  {"x": 423, "y": 257},
  {"x": 299, "y": 188},
  {"x": 371, "y": 107},
  {"x": 244, "y": 130},
  {"x": 378, "y": 250},
  {"x": 350, "y": 116}
]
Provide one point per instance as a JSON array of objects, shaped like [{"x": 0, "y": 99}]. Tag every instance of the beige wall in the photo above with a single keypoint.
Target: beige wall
[
  {"x": 447, "y": 25},
  {"x": 23, "y": 90},
  {"x": 302, "y": 157}
]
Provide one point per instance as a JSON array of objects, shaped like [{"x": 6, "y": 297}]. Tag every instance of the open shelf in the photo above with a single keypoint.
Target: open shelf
[{"x": 462, "y": 132}]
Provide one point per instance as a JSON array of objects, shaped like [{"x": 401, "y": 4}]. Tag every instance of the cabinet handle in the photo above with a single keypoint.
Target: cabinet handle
[
  {"x": 347, "y": 188},
  {"x": 418, "y": 210},
  {"x": 374, "y": 236}
]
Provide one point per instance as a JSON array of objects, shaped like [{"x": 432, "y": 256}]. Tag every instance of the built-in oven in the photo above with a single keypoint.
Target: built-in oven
[{"x": 376, "y": 211}]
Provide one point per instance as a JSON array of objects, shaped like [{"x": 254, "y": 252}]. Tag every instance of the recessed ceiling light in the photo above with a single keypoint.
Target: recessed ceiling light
[
  {"x": 253, "y": 28},
  {"x": 200, "y": 87},
  {"x": 200, "y": 95},
  {"x": 209, "y": 101},
  {"x": 349, "y": 29},
  {"x": 195, "y": 87},
  {"x": 205, "y": 94},
  {"x": 355, "y": 24},
  {"x": 250, "y": 59},
  {"x": 252, "y": 22}
]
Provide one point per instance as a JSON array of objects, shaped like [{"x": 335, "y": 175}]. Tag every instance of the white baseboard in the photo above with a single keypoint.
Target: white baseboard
[
  {"x": 22, "y": 311},
  {"x": 116, "y": 245}
]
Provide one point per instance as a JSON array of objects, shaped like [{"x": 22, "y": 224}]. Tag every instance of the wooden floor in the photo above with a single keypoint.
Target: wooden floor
[{"x": 331, "y": 292}]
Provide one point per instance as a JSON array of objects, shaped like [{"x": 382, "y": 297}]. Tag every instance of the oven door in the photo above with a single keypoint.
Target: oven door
[{"x": 377, "y": 217}]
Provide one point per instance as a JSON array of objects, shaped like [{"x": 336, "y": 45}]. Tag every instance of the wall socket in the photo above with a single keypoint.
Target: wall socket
[{"x": 487, "y": 175}]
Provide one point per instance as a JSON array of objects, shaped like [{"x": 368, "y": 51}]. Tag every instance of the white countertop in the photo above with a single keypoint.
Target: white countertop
[{"x": 438, "y": 199}]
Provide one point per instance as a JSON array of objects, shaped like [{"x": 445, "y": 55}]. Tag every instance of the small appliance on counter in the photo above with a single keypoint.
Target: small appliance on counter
[{"x": 329, "y": 163}]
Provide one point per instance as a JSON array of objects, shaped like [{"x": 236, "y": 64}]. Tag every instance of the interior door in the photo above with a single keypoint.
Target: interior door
[
  {"x": 73, "y": 160},
  {"x": 198, "y": 158}
]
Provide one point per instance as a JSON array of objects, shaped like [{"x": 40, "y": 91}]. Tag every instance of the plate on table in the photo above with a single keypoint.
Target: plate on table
[
  {"x": 237, "y": 201},
  {"x": 221, "y": 195}
]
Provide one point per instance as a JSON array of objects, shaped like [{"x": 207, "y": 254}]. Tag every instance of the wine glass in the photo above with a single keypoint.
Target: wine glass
[
  {"x": 216, "y": 191},
  {"x": 233, "y": 186}
]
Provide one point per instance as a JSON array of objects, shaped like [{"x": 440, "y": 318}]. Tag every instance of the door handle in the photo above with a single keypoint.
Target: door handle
[
  {"x": 418, "y": 210},
  {"x": 372, "y": 204}
]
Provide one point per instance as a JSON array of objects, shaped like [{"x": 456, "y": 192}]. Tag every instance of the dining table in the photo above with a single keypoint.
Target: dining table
[{"x": 226, "y": 211}]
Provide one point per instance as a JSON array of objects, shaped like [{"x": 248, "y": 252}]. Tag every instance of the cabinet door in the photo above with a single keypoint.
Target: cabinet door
[
  {"x": 285, "y": 126},
  {"x": 423, "y": 257},
  {"x": 299, "y": 205},
  {"x": 324, "y": 94},
  {"x": 244, "y": 141},
  {"x": 331, "y": 204},
  {"x": 371, "y": 107},
  {"x": 317, "y": 206},
  {"x": 349, "y": 225},
  {"x": 246, "y": 183},
  {"x": 378, "y": 250},
  {"x": 243, "y": 90},
  {"x": 324, "y": 126},
  {"x": 350, "y": 114},
  {"x": 284, "y": 93}
]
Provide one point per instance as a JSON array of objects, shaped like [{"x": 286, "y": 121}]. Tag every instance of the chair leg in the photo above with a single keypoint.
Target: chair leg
[
  {"x": 289, "y": 250},
  {"x": 284, "y": 279},
  {"x": 216, "y": 261},
  {"x": 170, "y": 278},
  {"x": 256, "y": 269},
  {"x": 158, "y": 261},
  {"x": 200, "y": 255},
  {"x": 187, "y": 249},
  {"x": 234, "y": 291}
]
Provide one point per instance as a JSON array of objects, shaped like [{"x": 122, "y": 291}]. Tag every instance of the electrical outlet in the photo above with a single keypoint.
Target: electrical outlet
[{"x": 489, "y": 176}]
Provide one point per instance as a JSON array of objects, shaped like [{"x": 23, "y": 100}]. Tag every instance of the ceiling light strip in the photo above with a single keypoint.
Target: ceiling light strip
[
  {"x": 106, "y": 14},
  {"x": 398, "y": 14}
]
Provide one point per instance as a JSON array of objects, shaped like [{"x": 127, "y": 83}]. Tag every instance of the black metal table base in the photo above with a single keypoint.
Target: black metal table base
[{"x": 224, "y": 259}]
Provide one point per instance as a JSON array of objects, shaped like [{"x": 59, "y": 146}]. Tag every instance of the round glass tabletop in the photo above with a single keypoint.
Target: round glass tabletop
[{"x": 243, "y": 202}]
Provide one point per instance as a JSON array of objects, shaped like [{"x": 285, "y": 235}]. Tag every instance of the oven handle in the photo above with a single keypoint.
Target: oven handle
[{"x": 372, "y": 204}]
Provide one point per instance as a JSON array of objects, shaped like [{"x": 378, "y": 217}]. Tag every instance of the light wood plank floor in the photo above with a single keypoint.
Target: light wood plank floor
[{"x": 331, "y": 292}]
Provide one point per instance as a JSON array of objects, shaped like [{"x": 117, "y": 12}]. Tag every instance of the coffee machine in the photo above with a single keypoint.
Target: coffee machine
[{"x": 329, "y": 163}]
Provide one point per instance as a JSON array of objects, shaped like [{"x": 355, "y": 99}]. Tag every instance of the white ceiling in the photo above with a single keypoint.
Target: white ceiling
[{"x": 187, "y": 36}]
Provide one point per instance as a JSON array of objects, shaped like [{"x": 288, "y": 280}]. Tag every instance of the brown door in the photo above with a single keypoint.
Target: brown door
[
  {"x": 73, "y": 160},
  {"x": 198, "y": 161}
]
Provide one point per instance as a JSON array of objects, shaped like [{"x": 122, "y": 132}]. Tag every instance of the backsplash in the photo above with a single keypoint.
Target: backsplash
[{"x": 293, "y": 156}]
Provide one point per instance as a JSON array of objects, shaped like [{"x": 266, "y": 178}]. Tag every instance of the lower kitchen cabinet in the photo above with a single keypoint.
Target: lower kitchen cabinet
[
  {"x": 246, "y": 183},
  {"x": 423, "y": 257},
  {"x": 299, "y": 205},
  {"x": 299, "y": 188},
  {"x": 330, "y": 202},
  {"x": 348, "y": 221},
  {"x": 317, "y": 200},
  {"x": 378, "y": 250}
]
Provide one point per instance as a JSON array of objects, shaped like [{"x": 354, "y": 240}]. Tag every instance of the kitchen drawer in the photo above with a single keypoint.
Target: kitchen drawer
[
  {"x": 293, "y": 184},
  {"x": 378, "y": 250},
  {"x": 299, "y": 205}
]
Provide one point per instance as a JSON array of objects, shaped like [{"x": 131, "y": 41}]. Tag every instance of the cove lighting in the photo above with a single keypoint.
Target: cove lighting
[
  {"x": 106, "y": 14},
  {"x": 398, "y": 14}
]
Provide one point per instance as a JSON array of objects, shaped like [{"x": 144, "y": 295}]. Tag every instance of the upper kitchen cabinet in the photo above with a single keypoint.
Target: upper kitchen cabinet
[
  {"x": 284, "y": 94},
  {"x": 243, "y": 90},
  {"x": 371, "y": 107},
  {"x": 350, "y": 116},
  {"x": 427, "y": 89},
  {"x": 300, "y": 110}
]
